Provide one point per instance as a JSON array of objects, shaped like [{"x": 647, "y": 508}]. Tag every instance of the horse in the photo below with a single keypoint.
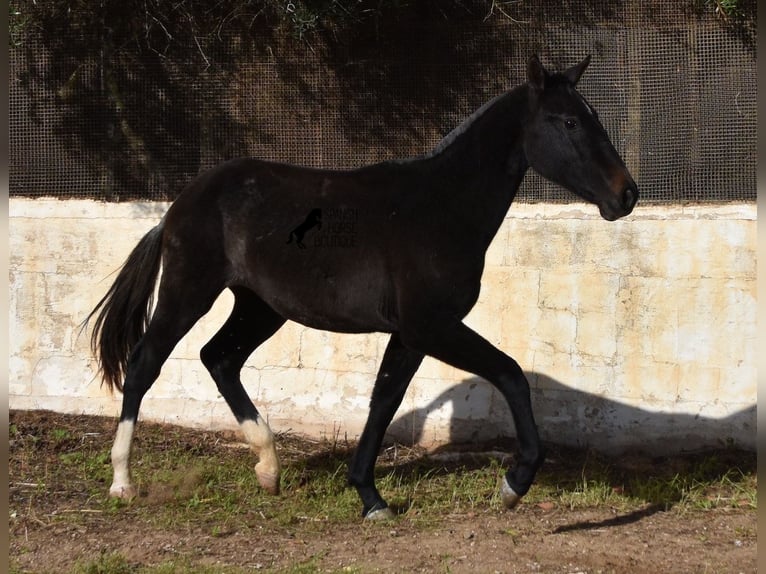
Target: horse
[{"x": 422, "y": 227}]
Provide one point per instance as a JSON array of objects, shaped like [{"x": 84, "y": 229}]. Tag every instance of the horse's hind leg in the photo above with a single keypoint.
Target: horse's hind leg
[
  {"x": 251, "y": 322},
  {"x": 178, "y": 309}
]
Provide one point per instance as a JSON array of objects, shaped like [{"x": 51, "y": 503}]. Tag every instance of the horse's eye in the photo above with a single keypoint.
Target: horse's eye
[{"x": 570, "y": 124}]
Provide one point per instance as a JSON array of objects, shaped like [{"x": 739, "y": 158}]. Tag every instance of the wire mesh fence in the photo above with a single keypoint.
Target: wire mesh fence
[{"x": 677, "y": 96}]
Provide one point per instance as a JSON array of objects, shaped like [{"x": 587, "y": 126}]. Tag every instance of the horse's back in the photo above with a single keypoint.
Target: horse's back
[{"x": 245, "y": 211}]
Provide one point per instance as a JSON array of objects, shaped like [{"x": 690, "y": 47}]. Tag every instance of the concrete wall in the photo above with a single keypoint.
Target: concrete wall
[{"x": 635, "y": 334}]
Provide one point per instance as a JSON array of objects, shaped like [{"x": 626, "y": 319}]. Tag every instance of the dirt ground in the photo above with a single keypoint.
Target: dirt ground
[{"x": 52, "y": 531}]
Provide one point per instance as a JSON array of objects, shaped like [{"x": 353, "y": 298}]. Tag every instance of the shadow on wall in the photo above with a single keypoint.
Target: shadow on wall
[{"x": 568, "y": 417}]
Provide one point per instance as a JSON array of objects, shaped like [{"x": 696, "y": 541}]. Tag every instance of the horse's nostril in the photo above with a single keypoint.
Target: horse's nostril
[{"x": 629, "y": 196}]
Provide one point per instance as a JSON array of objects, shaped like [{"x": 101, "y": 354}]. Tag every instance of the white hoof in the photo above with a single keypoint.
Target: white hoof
[
  {"x": 269, "y": 481},
  {"x": 509, "y": 496},
  {"x": 123, "y": 491},
  {"x": 380, "y": 514}
]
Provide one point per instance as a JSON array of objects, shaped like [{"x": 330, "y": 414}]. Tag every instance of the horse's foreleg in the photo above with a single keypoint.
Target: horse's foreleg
[
  {"x": 251, "y": 322},
  {"x": 396, "y": 371},
  {"x": 454, "y": 343}
]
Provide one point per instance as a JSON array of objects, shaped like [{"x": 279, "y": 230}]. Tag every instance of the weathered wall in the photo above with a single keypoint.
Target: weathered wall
[{"x": 638, "y": 333}]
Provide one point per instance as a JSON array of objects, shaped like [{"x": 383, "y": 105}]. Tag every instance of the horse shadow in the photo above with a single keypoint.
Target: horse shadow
[
  {"x": 584, "y": 434},
  {"x": 572, "y": 418}
]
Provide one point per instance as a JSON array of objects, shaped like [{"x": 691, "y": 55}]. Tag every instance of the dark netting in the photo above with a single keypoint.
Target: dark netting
[{"x": 676, "y": 94}]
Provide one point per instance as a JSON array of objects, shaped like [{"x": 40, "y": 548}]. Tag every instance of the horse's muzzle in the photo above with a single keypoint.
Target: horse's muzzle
[{"x": 622, "y": 203}]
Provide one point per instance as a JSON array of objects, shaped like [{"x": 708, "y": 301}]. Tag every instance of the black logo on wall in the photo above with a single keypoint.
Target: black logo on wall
[{"x": 331, "y": 227}]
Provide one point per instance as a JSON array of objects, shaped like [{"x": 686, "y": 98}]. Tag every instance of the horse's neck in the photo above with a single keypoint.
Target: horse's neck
[
  {"x": 483, "y": 143},
  {"x": 483, "y": 159}
]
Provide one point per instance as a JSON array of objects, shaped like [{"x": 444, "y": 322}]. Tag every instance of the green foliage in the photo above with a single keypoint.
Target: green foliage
[
  {"x": 194, "y": 30},
  {"x": 18, "y": 22},
  {"x": 202, "y": 30},
  {"x": 728, "y": 9}
]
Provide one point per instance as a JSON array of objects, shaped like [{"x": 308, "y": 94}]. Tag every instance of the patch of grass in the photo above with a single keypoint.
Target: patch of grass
[
  {"x": 309, "y": 566},
  {"x": 182, "y": 481},
  {"x": 313, "y": 565},
  {"x": 106, "y": 563},
  {"x": 704, "y": 482},
  {"x": 60, "y": 435},
  {"x": 193, "y": 481},
  {"x": 186, "y": 566},
  {"x": 732, "y": 488},
  {"x": 432, "y": 490},
  {"x": 726, "y": 478},
  {"x": 115, "y": 563},
  {"x": 592, "y": 493},
  {"x": 309, "y": 486},
  {"x": 91, "y": 464}
]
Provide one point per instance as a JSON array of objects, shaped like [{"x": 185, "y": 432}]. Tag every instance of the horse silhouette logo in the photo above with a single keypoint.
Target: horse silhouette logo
[{"x": 313, "y": 219}]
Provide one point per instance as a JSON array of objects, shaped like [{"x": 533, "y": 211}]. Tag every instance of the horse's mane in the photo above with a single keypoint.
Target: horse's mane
[{"x": 466, "y": 124}]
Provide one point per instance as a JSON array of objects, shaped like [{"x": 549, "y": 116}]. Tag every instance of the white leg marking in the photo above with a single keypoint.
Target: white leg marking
[
  {"x": 121, "y": 485},
  {"x": 260, "y": 438}
]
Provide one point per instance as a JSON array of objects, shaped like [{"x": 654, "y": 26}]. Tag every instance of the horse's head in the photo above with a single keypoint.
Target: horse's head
[{"x": 565, "y": 142}]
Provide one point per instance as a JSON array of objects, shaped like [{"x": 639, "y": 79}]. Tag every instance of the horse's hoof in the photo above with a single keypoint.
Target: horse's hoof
[
  {"x": 268, "y": 481},
  {"x": 123, "y": 491},
  {"x": 509, "y": 496},
  {"x": 379, "y": 514}
]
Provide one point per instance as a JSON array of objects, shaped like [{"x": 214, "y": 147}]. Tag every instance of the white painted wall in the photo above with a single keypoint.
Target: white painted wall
[{"x": 635, "y": 334}]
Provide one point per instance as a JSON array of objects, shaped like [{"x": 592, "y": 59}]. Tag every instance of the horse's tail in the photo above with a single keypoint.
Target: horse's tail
[
  {"x": 124, "y": 312},
  {"x": 290, "y": 238}
]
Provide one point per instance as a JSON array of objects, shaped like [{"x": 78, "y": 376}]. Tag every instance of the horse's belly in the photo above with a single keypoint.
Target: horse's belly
[
  {"x": 331, "y": 312},
  {"x": 353, "y": 299}
]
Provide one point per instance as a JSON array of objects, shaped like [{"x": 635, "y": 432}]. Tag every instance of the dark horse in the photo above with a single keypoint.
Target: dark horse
[{"x": 422, "y": 228}]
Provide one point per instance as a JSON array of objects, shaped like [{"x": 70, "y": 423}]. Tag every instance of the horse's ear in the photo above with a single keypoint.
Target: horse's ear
[
  {"x": 536, "y": 73},
  {"x": 573, "y": 74}
]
